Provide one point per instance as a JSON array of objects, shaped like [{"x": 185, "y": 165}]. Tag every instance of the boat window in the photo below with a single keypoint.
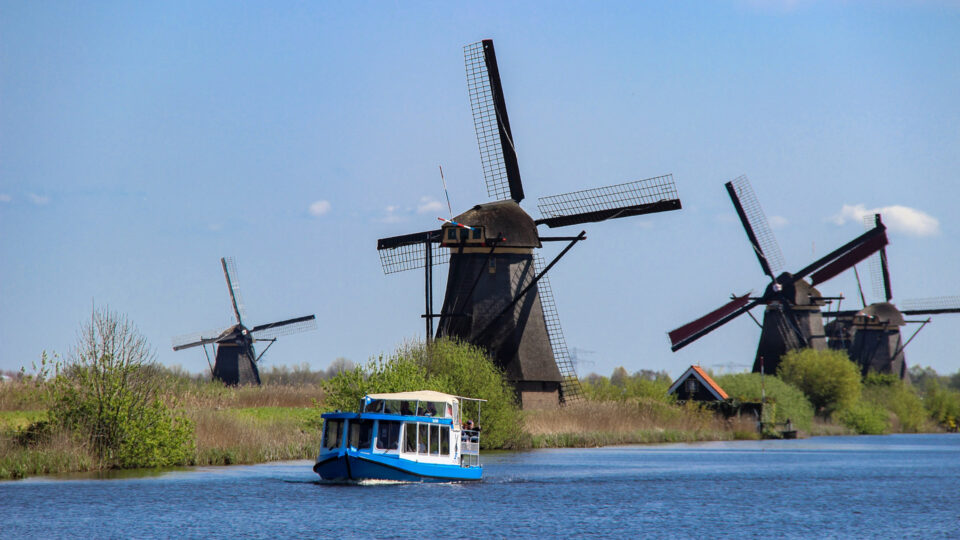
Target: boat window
[
  {"x": 391, "y": 406},
  {"x": 408, "y": 408},
  {"x": 410, "y": 438},
  {"x": 444, "y": 441},
  {"x": 331, "y": 433},
  {"x": 388, "y": 435},
  {"x": 434, "y": 440},
  {"x": 373, "y": 406},
  {"x": 429, "y": 408},
  {"x": 361, "y": 434},
  {"x": 423, "y": 438}
]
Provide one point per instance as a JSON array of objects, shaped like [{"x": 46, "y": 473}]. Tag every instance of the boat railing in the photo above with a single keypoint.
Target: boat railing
[{"x": 470, "y": 447}]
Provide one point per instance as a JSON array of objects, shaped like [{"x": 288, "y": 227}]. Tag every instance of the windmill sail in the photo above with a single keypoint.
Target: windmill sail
[
  {"x": 658, "y": 194},
  {"x": 570, "y": 389},
  {"x": 756, "y": 226},
  {"x": 408, "y": 251},
  {"x": 498, "y": 155}
]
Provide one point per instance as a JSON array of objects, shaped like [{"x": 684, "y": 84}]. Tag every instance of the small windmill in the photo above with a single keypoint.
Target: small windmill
[
  {"x": 872, "y": 335},
  {"x": 792, "y": 317},
  {"x": 236, "y": 360},
  {"x": 497, "y": 296}
]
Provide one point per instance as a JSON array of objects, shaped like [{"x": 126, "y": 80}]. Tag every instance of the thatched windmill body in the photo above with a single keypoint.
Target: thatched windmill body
[
  {"x": 873, "y": 336},
  {"x": 235, "y": 357},
  {"x": 792, "y": 316},
  {"x": 497, "y": 294}
]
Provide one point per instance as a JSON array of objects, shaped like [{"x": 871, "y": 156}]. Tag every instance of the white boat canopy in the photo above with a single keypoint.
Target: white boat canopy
[{"x": 422, "y": 395}]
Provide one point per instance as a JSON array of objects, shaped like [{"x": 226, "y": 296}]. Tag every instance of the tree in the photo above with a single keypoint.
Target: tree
[
  {"x": 828, "y": 378},
  {"x": 109, "y": 394}
]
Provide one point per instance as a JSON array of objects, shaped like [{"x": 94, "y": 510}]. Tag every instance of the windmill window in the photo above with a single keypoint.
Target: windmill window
[
  {"x": 451, "y": 234},
  {"x": 331, "y": 433},
  {"x": 476, "y": 233},
  {"x": 464, "y": 234}
]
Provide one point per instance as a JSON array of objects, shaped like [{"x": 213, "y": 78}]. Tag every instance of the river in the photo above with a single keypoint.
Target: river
[{"x": 823, "y": 487}]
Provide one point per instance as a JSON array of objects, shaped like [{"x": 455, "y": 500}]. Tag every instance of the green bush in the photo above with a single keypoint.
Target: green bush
[
  {"x": 790, "y": 402},
  {"x": 828, "y": 378},
  {"x": 890, "y": 393},
  {"x": 108, "y": 394},
  {"x": 445, "y": 366},
  {"x": 864, "y": 418},
  {"x": 942, "y": 403},
  {"x": 623, "y": 387}
]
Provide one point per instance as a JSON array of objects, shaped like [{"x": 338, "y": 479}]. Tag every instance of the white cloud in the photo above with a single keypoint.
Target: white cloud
[
  {"x": 319, "y": 208},
  {"x": 5, "y": 198},
  {"x": 38, "y": 199},
  {"x": 392, "y": 215},
  {"x": 898, "y": 218},
  {"x": 777, "y": 222},
  {"x": 428, "y": 205}
]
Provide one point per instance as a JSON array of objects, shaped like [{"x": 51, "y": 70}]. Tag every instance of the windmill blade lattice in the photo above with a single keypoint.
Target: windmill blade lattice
[
  {"x": 411, "y": 257},
  {"x": 196, "y": 339},
  {"x": 284, "y": 328},
  {"x": 655, "y": 194},
  {"x": 930, "y": 306},
  {"x": 767, "y": 249},
  {"x": 570, "y": 387},
  {"x": 498, "y": 155},
  {"x": 234, "y": 278}
]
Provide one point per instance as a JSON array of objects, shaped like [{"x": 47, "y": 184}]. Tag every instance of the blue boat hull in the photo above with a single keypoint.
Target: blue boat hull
[{"x": 352, "y": 465}]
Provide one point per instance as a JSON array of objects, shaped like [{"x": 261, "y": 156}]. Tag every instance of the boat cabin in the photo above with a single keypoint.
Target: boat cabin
[{"x": 411, "y": 427}]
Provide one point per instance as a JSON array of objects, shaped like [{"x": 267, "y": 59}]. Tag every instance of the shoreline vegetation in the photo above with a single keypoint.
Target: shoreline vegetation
[{"x": 52, "y": 420}]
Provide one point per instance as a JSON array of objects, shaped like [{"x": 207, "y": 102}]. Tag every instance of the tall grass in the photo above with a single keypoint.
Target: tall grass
[
  {"x": 234, "y": 436},
  {"x": 646, "y": 420}
]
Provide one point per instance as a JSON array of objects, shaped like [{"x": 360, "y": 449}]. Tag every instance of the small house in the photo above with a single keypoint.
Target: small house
[{"x": 696, "y": 385}]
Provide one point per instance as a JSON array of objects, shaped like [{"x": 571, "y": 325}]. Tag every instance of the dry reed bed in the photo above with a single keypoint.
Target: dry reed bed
[
  {"x": 214, "y": 396},
  {"x": 227, "y": 437},
  {"x": 588, "y": 424}
]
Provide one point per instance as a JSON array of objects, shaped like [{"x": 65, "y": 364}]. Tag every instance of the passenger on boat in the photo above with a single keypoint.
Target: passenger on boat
[{"x": 470, "y": 432}]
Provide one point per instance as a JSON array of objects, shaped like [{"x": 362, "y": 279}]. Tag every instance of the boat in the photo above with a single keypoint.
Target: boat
[{"x": 402, "y": 436}]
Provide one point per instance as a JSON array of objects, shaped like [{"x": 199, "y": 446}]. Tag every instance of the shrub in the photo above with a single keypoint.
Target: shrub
[
  {"x": 864, "y": 418},
  {"x": 623, "y": 387},
  {"x": 942, "y": 403},
  {"x": 892, "y": 394},
  {"x": 109, "y": 395},
  {"x": 828, "y": 378},
  {"x": 790, "y": 402},
  {"x": 445, "y": 366}
]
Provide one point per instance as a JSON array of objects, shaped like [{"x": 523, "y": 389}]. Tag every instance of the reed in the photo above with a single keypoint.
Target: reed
[
  {"x": 233, "y": 436},
  {"x": 59, "y": 454},
  {"x": 645, "y": 420},
  {"x": 211, "y": 395}
]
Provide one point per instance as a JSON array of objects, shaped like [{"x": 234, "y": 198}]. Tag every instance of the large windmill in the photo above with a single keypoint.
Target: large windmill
[
  {"x": 236, "y": 360},
  {"x": 497, "y": 296},
  {"x": 872, "y": 335},
  {"x": 792, "y": 317}
]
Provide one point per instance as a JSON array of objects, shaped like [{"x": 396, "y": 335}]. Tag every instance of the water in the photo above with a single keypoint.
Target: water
[{"x": 892, "y": 486}]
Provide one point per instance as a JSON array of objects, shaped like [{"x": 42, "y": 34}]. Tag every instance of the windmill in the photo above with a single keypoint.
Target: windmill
[
  {"x": 497, "y": 294},
  {"x": 872, "y": 335},
  {"x": 236, "y": 360},
  {"x": 792, "y": 317}
]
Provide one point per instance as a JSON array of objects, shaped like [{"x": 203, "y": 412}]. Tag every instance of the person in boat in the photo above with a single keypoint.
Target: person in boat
[{"x": 470, "y": 431}]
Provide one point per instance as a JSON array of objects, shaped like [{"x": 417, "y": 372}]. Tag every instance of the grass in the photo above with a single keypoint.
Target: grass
[
  {"x": 255, "y": 435},
  {"x": 591, "y": 423}
]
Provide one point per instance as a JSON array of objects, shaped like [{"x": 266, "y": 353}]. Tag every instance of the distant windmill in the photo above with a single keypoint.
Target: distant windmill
[
  {"x": 871, "y": 335},
  {"x": 497, "y": 296},
  {"x": 236, "y": 359},
  {"x": 792, "y": 318}
]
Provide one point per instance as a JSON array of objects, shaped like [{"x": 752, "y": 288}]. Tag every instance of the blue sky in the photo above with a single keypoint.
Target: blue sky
[{"x": 140, "y": 142}]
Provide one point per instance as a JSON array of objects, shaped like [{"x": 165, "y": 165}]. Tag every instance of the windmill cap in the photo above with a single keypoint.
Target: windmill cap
[{"x": 505, "y": 218}]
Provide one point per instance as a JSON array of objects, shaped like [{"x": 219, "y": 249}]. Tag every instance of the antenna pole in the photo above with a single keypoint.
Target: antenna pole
[{"x": 445, "y": 192}]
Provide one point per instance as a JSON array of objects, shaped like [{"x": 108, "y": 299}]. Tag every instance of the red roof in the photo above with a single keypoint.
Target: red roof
[{"x": 708, "y": 380}]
